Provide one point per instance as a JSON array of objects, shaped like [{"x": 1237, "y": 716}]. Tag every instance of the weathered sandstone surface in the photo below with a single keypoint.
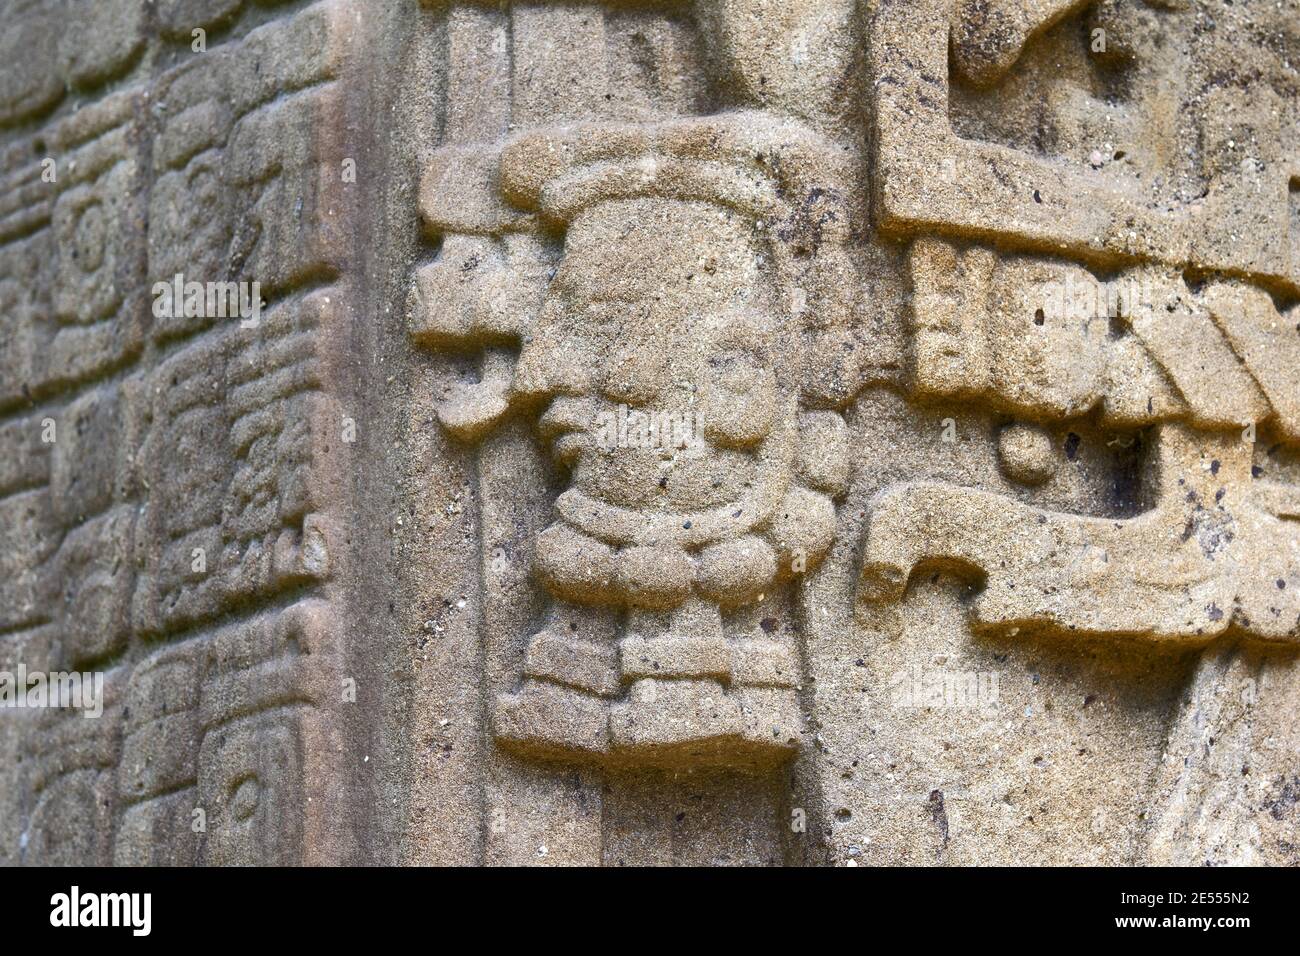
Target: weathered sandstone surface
[{"x": 801, "y": 432}]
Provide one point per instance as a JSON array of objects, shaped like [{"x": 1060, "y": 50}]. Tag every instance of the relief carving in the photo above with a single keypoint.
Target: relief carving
[
  {"x": 1217, "y": 539},
  {"x": 807, "y": 432},
  {"x": 611, "y": 270},
  {"x": 654, "y": 543}
]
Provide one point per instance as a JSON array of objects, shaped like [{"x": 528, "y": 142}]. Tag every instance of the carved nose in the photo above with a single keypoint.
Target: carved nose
[
  {"x": 636, "y": 376},
  {"x": 553, "y": 364}
]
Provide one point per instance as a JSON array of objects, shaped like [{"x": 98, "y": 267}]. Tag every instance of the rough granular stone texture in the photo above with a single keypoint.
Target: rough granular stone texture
[{"x": 805, "y": 432}]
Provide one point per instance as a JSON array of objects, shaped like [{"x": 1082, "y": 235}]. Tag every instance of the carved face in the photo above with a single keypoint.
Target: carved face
[
  {"x": 662, "y": 367},
  {"x": 639, "y": 324}
]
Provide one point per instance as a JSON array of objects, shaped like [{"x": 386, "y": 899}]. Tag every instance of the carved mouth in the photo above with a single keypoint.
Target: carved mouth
[{"x": 565, "y": 424}]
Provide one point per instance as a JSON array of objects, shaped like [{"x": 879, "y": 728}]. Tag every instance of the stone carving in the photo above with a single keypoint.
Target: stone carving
[
  {"x": 1181, "y": 568},
  {"x": 692, "y": 431},
  {"x": 931, "y": 178},
  {"x": 541, "y": 233},
  {"x": 173, "y": 506},
  {"x": 675, "y": 534}
]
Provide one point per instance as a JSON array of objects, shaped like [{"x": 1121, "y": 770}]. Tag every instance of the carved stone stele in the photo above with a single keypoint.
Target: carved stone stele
[{"x": 689, "y": 431}]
